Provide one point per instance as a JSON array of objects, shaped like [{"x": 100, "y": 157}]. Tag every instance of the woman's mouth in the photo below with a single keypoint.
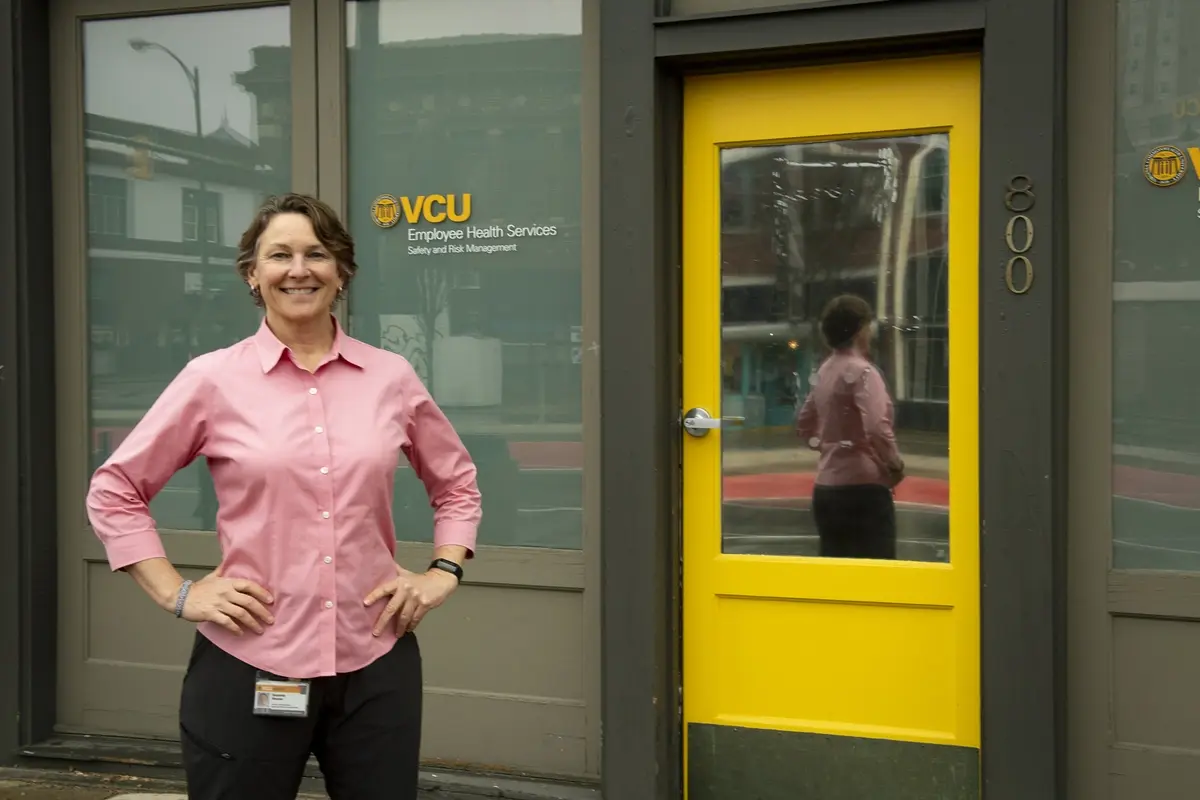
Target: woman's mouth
[{"x": 305, "y": 290}]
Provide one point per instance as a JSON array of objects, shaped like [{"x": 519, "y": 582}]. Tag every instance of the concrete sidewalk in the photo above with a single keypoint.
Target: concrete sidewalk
[
  {"x": 25, "y": 784},
  {"x": 25, "y": 790}
]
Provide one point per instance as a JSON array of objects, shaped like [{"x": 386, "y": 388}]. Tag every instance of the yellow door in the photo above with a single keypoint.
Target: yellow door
[{"x": 840, "y": 659}]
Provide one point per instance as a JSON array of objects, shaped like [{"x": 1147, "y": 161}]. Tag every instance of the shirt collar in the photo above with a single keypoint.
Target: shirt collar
[{"x": 270, "y": 349}]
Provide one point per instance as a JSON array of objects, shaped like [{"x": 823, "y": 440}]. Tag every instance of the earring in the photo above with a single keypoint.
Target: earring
[{"x": 256, "y": 293}]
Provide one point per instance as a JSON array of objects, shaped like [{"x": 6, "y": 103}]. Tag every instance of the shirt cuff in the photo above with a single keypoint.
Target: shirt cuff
[
  {"x": 132, "y": 548},
  {"x": 455, "y": 532}
]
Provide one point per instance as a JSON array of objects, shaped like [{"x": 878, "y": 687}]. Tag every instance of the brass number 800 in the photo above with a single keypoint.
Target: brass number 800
[{"x": 1019, "y": 199}]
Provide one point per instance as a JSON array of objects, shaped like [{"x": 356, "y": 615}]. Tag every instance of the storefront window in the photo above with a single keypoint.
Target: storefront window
[
  {"x": 1156, "y": 291},
  {"x": 464, "y": 187},
  {"x": 179, "y": 152}
]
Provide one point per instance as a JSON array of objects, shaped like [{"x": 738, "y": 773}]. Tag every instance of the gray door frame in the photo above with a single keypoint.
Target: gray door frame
[
  {"x": 1091, "y": 107},
  {"x": 1022, "y": 358}
]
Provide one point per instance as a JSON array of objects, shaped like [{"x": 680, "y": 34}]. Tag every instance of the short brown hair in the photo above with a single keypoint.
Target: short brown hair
[
  {"x": 326, "y": 225},
  {"x": 844, "y": 316}
]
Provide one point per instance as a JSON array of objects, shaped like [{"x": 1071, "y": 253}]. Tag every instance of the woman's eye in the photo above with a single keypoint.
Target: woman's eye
[
  {"x": 278, "y": 256},
  {"x": 318, "y": 256}
]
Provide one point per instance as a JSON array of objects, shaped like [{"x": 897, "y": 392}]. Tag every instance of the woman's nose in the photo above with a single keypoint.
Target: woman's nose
[{"x": 298, "y": 267}]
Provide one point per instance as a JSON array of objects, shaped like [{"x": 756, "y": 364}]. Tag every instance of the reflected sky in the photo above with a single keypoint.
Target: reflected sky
[
  {"x": 147, "y": 88},
  {"x": 150, "y": 88}
]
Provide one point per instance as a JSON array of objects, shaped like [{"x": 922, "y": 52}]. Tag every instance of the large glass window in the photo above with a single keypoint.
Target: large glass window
[
  {"x": 1156, "y": 291},
  {"x": 464, "y": 186},
  {"x": 801, "y": 225},
  {"x": 179, "y": 151}
]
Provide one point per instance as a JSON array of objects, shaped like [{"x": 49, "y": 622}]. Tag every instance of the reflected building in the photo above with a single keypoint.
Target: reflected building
[
  {"x": 804, "y": 223},
  {"x": 1156, "y": 289},
  {"x": 161, "y": 255},
  {"x": 510, "y": 140}
]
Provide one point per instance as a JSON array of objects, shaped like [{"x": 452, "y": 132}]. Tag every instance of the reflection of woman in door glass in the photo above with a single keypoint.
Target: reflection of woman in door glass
[{"x": 847, "y": 417}]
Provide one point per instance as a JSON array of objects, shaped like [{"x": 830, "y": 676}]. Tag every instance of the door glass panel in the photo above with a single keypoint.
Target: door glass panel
[
  {"x": 1156, "y": 289},
  {"x": 186, "y": 132},
  {"x": 464, "y": 182},
  {"x": 859, "y": 227}
]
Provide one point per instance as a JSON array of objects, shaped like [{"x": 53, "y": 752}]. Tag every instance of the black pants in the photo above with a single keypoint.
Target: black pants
[
  {"x": 855, "y": 521},
  {"x": 364, "y": 728}
]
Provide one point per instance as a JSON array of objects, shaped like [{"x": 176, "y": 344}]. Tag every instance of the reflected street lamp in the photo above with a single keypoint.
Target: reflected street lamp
[{"x": 193, "y": 76}]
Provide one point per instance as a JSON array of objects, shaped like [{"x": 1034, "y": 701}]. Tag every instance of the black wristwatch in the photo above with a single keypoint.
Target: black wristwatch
[{"x": 446, "y": 565}]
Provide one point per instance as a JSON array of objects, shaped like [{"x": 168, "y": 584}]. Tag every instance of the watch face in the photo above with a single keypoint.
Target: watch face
[{"x": 448, "y": 566}]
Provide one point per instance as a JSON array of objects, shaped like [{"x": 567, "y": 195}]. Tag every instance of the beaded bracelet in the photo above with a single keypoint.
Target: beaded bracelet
[{"x": 182, "y": 598}]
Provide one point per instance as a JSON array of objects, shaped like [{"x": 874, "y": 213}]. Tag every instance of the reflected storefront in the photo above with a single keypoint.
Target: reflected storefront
[
  {"x": 1156, "y": 302},
  {"x": 475, "y": 137},
  {"x": 462, "y": 189},
  {"x": 174, "y": 172}
]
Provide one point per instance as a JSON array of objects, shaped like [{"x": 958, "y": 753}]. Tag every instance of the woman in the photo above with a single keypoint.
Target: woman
[
  {"x": 847, "y": 416},
  {"x": 302, "y": 427}
]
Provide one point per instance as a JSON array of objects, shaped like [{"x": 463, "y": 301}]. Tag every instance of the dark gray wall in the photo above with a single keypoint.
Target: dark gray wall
[
  {"x": 27, "y": 524},
  {"x": 638, "y": 584},
  {"x": 10, "y": 549},
  {"x": 1023, "y": 396}
]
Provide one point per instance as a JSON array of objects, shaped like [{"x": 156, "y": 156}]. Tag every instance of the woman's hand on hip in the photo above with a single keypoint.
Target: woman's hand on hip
[
  {"x": 412, "y": 596},
  {"x": 233, "y": 603}
]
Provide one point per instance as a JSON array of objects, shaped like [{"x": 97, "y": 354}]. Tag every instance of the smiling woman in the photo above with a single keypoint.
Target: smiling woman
[
  {"x": 297, "y": 260},
  {"x": 302, "y": 428}
]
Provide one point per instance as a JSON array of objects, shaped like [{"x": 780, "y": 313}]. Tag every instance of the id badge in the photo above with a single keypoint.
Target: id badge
[{"x": 280, "y": 697}]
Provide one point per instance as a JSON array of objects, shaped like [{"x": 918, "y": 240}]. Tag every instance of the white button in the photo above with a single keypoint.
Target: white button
[
  {"x": 313, "y": 390},
  {"x": 319, "y": 429},
  {"x": 325, "y": 514},
  {"x": 329, "y": 604},
  {"x": 328, "y": 560},
  {"x": 324, "y": 470}
]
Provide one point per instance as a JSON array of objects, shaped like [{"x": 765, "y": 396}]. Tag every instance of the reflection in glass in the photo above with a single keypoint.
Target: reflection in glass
[
  {"x": 1156, "y": 296},
  {"x": 467, "y": 113},
  {"x": 802, "y": 224},
  {"x": 183, "y": 140}
]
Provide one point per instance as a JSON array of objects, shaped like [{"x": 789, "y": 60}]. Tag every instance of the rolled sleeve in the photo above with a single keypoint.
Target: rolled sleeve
[
  {"x": 441, "y": 461},
  {"x": 167, "y": 438}
]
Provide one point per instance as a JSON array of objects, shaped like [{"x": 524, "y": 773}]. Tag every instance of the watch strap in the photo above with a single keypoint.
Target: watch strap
[{"x": 446, "y": 565}]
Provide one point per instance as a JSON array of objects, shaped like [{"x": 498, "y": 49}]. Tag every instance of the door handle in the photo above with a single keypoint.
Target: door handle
[{"x": 698, "y": 422}]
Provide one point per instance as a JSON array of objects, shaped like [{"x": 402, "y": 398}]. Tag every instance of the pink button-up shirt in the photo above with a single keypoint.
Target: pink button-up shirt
[
  {"x": 303, "y": 466},
  {"x": 849, "y": 413}
]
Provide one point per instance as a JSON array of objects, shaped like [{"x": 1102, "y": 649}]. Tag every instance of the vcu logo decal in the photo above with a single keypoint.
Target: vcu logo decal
[
  {"x": 1164, "y": 166},
  {"x": 434, "y": 208},
  {"x": 385, "y": 211}
]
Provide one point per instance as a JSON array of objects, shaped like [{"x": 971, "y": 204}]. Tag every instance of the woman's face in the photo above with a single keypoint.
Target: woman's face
[{"x": 296, "y": 274}]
